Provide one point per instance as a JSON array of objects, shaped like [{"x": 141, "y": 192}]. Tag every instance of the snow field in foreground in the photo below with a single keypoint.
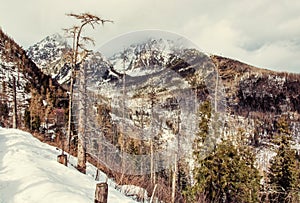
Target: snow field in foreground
[{"x": 30, "y": 173}]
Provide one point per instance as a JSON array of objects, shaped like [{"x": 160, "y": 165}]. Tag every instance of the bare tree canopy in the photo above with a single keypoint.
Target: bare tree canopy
[{"x": 87, "y": 18}]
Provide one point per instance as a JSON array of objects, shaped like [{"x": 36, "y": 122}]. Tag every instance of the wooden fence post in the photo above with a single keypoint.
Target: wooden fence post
[
  {"x": 62, "y": 158},
  {"x": 101, "y": 193}
]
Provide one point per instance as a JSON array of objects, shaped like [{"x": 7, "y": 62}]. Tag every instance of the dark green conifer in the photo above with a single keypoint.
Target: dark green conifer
[
  {"x": 283, "y": 173},
  {"x": 227, "y": 173}
]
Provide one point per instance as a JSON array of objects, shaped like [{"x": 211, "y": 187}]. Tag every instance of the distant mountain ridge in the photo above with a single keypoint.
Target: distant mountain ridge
[
  {"x": 255, "y": 98},
  {"x": 152, "y": 55}
]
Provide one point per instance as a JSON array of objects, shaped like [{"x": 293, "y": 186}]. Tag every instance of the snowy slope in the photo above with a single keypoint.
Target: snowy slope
[{"x": 30, "y": 173}]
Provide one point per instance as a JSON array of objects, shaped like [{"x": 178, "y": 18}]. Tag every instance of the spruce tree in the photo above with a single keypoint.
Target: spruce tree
[
  {"x": 203, "y": 131},
  {"x": 227, "y": 173},
  {"x": 283, "y": 174}
]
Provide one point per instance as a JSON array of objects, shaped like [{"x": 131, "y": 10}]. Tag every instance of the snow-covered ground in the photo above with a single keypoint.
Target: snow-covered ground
[{"x": 30, "y": 173}]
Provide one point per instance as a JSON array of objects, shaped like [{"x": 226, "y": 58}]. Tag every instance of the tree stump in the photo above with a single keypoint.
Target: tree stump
[
  {"x": 101, "y": 193},
  {"x": 62, "y": 159},
  {"x": 81, "y": 157}
]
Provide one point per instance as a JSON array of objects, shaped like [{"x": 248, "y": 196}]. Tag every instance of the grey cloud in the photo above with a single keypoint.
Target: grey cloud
[{"x": 253, "y": 32}]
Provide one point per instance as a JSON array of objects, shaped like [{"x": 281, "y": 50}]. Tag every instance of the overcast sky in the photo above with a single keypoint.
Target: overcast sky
[{"x": 264, "y": 33}]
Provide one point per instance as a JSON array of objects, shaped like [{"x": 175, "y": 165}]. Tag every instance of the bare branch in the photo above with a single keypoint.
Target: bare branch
[
  {"x": 87, "y": 18},
  {"x": 80, "y": 45},
  {"x": 69, "y": 32},
  {"x": 88, "y": 40},
  {"x": 67, "y": 56}
]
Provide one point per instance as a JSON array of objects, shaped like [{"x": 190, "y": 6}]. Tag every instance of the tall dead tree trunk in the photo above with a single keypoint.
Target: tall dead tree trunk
[
  {"x": 15, "y": 116},
  {"x": 153, "y": 99},
  {"x": 123, "y": 118},
  {"x": 70, "y": 112},
  {"x": 152, "y": 172},
  {"x": 216, "y": 90},
  {"x": 73, "y": 57},
  {"x": 152, "y": 178},
  {"x": 81, "y": 165},
  {"x": 174, "y": 179}
]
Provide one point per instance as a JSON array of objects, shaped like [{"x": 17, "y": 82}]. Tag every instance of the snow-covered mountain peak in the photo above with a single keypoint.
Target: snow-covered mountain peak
[
  {"x": 48, "y": 52},
  {"x": 153, "y": 44},
  {"x": 137, "y": 55},
  {"x": 144, "y": 57},
  {"x": 56, "y": 38},
  {"x": 148, "y": 45}
]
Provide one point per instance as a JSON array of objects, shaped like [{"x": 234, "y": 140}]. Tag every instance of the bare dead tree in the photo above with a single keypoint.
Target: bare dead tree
[
  {"x": 125, "y": 58},
  {"x": 79, "y": 44},
  {"x": 153, "y": 99}
]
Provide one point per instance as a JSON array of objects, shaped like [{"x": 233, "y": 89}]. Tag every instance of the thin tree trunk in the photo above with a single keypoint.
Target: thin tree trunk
[
  {"x": 152, "y": 169},
  {"x": 70, "y": 111},
  {"x": 153, "y": 193},
  {"x": 174, "y": 179},
  {"x": 15, "y": 116},
  {"x": 151, "y": 163},
  {"x": 216, "y": 90},
  {"x": 81, "y": 165},
  {"x": 74, "y": 60}
]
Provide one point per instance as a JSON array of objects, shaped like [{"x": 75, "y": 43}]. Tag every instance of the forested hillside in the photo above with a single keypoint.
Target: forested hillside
[{"x": 36, "y": 94}]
